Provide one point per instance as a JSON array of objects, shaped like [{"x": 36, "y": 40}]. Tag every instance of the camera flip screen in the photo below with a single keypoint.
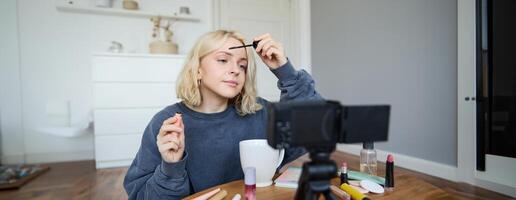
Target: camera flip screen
[{"x": 325, "y": 123}]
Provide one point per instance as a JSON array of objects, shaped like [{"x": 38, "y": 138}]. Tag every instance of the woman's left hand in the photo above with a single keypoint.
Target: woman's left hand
[{"x": 270, "y": 51}]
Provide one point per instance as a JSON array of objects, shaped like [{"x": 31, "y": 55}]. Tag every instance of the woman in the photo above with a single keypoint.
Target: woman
[{"x": 181, "y": 154}]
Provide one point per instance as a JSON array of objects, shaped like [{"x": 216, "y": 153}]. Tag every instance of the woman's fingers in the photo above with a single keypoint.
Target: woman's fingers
[
  {"x": 170, "y": 120},
  {"x": 180, "y": 120},
  {"x": 272, "y": 58},
  {"x": 269, "y": 48},
  {"x": 170, "y": 146},
  {"x": 175, "y": 131},
  {"x": 262, "y": 37},
  {"x": 271, "y": 52},
  {"x": 171, "y": 128},
  {"x": 173, "y": 137},
  {"x": 166, "y": 138},
  {"x": 171, "y": 132},
  {"x": 262, "y": 44}
]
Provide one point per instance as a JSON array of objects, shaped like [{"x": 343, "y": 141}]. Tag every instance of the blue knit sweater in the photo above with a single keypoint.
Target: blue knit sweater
[{"x": 212, "y": 153}]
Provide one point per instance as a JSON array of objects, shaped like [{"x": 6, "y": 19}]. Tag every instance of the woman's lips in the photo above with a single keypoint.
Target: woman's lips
[{"x": 231, "y": 83}]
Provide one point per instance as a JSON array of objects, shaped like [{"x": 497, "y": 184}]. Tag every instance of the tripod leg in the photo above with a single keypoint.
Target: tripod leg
[
  {"x": 305, "y": 192},
  {"x": 329, "y": 196}
]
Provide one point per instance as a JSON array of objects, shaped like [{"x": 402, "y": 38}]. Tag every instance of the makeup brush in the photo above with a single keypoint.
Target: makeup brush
[{"x": 254, "y": 44}]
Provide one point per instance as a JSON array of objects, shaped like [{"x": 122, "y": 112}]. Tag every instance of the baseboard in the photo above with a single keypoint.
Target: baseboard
[
  {"x": 13, "y": 159},
  {"x": 485, "y": 181},
  {"x": 417, "y": 164},
  {"x": 113, "y": 163},
  {"x": 60, "y": 157},
  {"x": 47, "y": 157}
]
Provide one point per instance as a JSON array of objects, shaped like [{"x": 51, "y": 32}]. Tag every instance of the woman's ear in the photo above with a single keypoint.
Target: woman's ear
[{"x": 199, "y": 74}]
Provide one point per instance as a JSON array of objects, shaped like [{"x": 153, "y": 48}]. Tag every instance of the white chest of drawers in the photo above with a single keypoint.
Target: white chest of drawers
[{"x": 128, "y": 89}]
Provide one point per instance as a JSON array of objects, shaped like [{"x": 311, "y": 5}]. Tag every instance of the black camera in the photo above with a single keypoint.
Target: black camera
[
  {"x": 313, "y": 124},
  {"x": 318, "y": 126}
]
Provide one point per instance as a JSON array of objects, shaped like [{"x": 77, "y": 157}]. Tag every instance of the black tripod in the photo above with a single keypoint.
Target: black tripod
[{"x": 316, "y": 175}]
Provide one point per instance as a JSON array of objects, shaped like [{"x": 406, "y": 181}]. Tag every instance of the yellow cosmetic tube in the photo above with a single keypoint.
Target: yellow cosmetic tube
[{"x": 355, "y": 194}]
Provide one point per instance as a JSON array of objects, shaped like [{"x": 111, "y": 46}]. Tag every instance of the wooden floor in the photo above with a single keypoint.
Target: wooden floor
[{"x": 80, "y": 180}]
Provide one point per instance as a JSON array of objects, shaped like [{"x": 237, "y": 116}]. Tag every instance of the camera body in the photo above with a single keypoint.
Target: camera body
[{"x": 321, "y": 124}]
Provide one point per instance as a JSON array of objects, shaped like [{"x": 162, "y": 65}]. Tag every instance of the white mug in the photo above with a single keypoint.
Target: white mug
[{"x": 258, "y": 154}]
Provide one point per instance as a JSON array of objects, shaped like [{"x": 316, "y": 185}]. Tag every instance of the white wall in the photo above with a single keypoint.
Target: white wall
[
  {"x": 53, "y": 69},
  {"x": 11, "y": 129}
]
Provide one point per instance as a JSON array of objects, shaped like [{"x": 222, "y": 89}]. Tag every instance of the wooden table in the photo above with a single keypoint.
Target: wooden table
[{"x": 407, "y": 186}]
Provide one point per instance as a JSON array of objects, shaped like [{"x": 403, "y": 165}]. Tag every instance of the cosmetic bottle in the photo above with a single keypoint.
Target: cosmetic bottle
[
  {"x": 368, "y": 162},
  {"x": 250, "y": 183}
]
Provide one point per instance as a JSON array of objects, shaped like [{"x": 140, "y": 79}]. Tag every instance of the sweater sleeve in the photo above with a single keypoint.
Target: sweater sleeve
[
  {"x": 295, "y": 86},
  {"x": 149, "y": 177}
]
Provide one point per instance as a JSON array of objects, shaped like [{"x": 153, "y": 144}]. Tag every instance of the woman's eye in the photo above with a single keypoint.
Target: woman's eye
[
  {"x": 243, "y": 66},
  {"x": 222, "y": 61}
]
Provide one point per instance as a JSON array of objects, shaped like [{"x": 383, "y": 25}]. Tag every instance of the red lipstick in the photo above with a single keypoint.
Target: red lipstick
[
  {"x": 389, "y": 173},
  {"x": 344, "y": 173}
]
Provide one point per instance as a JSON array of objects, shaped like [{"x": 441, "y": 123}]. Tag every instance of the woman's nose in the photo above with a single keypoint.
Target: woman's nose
[{"x": 235, "y": 69}]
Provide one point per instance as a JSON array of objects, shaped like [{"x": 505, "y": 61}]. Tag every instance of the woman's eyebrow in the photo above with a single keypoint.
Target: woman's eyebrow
[
  {"x": 225, "y": 52},
  {"x": 231, "y": 54}
]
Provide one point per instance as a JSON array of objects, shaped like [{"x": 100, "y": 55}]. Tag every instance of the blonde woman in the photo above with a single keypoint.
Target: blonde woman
[{"x": 181, "y": 154}]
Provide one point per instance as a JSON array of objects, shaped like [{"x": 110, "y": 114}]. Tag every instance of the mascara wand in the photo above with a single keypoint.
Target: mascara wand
[{"x": 254, "y": 45}]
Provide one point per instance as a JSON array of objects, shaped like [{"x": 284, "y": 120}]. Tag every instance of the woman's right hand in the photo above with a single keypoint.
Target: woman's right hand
[{"x": 171, "y": 139}]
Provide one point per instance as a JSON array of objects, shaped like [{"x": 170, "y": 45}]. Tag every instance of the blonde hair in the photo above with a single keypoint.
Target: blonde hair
[{"x": 188, "y": 87}]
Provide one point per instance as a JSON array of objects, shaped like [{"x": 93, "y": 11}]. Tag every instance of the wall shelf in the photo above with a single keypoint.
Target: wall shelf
[
  {"x": 109, "y": 54},
  {"x": 72, "y": 6}
]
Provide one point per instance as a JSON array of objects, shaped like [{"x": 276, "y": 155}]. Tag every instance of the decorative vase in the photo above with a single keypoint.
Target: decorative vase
[
  {"x": 130, "y": 5},
  {"x": 162, "y": 47}
]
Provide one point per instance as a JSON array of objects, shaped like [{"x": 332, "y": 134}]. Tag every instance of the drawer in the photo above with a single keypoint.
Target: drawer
[
  {"x": 133, "y": 95},
  {"x": 116, "y": 147},
  {"x": 136, "y": 69},
  {"x": 122, "y": 121}
]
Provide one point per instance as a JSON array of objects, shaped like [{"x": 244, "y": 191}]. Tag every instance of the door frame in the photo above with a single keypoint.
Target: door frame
[
  {"x": 466, "y": 110},
  {"x": 300, "y": 32}
]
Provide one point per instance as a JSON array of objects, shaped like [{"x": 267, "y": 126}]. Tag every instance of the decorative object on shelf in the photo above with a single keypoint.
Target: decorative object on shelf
[
  {"x": 184, "y": 10},
  {"x": 130, "y": 4},
  {"x": 104, "y": 3},
  {"x": 159, "y": 46},
  {"x": 116, "y": 47}
]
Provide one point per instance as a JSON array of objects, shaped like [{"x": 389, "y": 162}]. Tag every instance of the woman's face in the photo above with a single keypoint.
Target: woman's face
[{"x": 222, "y": 72}]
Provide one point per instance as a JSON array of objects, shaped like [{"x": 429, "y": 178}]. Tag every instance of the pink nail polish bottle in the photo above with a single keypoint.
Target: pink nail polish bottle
[{"x": 250, "y": 183}]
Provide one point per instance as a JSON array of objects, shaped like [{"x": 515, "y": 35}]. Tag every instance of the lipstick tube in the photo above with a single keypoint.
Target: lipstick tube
[
  {"x": 389, "y": 173},
  {"x": 344, "y": 173}
]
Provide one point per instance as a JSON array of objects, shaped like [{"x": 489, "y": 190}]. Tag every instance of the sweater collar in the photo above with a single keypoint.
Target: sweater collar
[{"x": 185, "y": 109}]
